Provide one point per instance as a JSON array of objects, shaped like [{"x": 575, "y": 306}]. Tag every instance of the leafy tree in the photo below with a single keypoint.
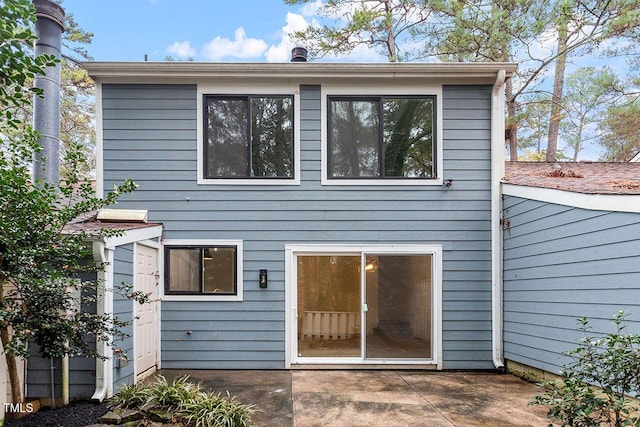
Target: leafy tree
[
  {"x": 378, "y": 24},
  {"x": 589, "y": 90},
  {"x": 38, "y": 260},
  {"x": 621, "y": 132}
]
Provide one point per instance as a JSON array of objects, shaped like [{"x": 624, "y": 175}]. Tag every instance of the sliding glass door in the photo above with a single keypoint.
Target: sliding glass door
[
  {"x": 398, "y": 306},
  {"x": 364, "y": 306}
]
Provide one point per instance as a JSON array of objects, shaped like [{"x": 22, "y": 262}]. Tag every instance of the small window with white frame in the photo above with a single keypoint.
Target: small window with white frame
[{"x": 210, "y": 270}]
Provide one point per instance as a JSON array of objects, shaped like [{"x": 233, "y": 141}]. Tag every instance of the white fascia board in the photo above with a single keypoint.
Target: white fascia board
[
  {"x": 309, "y": 72},
  {"x": 598, "y": 202},
  {"x": 135, "y": 235}
]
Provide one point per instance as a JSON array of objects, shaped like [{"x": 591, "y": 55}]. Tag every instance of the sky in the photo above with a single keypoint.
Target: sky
[{"x": 205, "y": 30}]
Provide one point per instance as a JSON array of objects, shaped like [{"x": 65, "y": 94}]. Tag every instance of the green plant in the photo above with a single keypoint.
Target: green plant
[
  {"x": 131, "y": 396},
  {"x": 610, "y": 362},
  {"x": 210, "y": 409},
  {"x": 172, "y": 395}
]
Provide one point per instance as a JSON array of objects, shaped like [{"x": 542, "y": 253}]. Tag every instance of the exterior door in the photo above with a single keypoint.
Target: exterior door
[
  {"x": 367, "y": 307},
  {"x": 146, "y": 322}
]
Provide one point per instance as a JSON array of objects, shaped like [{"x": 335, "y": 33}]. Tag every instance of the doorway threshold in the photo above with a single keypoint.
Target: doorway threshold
[{"x": 364, "y": 366}]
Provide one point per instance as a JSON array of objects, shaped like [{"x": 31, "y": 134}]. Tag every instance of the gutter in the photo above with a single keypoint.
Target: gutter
[
  {"x": 497, "y": 172},
  {"x": 104, "y": 368}
]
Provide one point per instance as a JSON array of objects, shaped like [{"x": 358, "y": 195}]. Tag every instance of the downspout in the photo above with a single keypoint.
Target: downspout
[
  {"x": 497, "y": 172},
  {"x": 104, "y": 301}
]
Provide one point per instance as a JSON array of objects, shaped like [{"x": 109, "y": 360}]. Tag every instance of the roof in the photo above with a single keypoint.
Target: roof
[
  {"x": 302, "y": 72},
  {"x": 582, "y": 177},
  {"x": 89, "y": 224}
]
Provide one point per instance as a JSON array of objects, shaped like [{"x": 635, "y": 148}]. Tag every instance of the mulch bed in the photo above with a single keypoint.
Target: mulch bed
[{"x": 77, "y": 414}]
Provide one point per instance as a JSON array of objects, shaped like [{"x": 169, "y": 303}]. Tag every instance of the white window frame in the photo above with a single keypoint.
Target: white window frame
[
  {"x": 200, "y": 243},
  {"x": 388, "y": 91},
  {"x": 291, "y": 295},
  {"x": 249, "y": 89}
]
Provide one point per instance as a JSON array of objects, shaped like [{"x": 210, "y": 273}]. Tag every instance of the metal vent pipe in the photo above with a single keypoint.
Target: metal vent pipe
[
  {"x": 298, "y": 54},
  {"x": 46, "y": 110}
]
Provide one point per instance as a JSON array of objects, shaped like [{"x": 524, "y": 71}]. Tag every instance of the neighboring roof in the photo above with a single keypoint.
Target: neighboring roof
[
  {"x": 302, "y": 72},
  {"x": 582, "y": 177},
  {"x": 636, "y": 158},
  {"x": 89, "y": 224}
]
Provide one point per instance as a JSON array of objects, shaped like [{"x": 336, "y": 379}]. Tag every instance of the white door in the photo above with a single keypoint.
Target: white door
[{"x": 146, "y": 321}]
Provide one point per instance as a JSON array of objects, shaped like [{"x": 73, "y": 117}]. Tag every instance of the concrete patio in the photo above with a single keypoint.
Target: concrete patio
[{"x": 377, "y": 398}]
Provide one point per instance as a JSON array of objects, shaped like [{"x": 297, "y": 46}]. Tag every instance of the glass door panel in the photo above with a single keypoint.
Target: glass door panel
[
  {"x": 398, "y": 298},
  {"x": 329, "y": 305}
]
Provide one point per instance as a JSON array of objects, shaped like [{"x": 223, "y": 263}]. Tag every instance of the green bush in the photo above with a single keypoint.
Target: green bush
[
  {"x": 211, "y": 409},
  {"x": 610, "y": 362},
  {"x": 186, "y": 401}
]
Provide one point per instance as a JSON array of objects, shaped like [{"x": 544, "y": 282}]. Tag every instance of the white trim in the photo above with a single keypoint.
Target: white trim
[
  {"x": 150, "y": 243},
  {"x": 381, "y": 90},
  {"x": 206, "y": 297},
  {"x": 291, "y": 251},
  {"x": 134, "y": 235},
  {"x": 598, "y": 202},
  {"x": 99, "y": 143},
  {"x": 306, "y": 73},
  {"x": 497, "y": 172},
  {"x": 635, "y": 158},
  {"x": 249, "y": 89}
]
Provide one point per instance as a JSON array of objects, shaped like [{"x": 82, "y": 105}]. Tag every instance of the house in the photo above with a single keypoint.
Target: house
[
  {"x": 315, "y": 214},
  {"x": 571, "y": 249}
]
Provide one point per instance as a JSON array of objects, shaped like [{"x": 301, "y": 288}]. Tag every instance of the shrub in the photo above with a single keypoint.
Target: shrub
[
  {"x": 211, "y": 409},
  {"x": 131, "y": 396},
  {"x": 185, "y": 401},
  {"x": 612, "y": 363}
]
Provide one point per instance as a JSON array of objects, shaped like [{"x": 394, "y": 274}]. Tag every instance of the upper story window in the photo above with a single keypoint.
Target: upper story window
[
  {"x": 381, "y": 137},
  {"x": 248, "y": 136}
]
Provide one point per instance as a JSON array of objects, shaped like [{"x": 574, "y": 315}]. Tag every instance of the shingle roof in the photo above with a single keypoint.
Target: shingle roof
[
  {"x": 90, "y": 225},
  {"x": 582, "y": 177}
]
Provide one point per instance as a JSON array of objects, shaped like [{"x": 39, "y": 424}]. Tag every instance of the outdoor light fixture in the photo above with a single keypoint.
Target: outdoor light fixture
[{"x": 263, "y": 278}]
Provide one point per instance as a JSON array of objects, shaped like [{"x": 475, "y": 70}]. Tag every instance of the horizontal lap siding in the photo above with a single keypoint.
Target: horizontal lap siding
[
  {"x": 123, "y": 310},
  {"x": 560, "y": 264},
  {"x": 250, "y": 334}
]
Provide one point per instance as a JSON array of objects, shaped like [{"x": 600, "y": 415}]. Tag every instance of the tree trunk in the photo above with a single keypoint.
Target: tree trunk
[
  {"x": 12, "y": 364},
  {"x": 512, "y": 127},
  {"x": 558, "y": 85},
  {"x": 12, "y": 368}
]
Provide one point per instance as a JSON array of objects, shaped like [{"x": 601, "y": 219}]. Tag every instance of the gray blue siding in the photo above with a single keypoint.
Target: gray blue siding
[
  {"x": 82, "y": 370},
  {"x": 562, "y": 263},
  {"x": 123, "y": 310},
  {"x": 150, "y": 136}
]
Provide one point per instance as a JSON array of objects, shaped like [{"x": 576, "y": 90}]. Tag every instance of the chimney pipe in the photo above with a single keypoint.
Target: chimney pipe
[
  {"x": 46, "y": 111},
  {"x": 298, "y": 54}
]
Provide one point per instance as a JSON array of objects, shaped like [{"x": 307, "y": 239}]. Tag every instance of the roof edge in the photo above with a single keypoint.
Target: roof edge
[{"x": 201, "y": 70}]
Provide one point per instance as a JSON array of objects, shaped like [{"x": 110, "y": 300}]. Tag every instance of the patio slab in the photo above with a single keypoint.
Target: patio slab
[{"x": 377, "y": 398}]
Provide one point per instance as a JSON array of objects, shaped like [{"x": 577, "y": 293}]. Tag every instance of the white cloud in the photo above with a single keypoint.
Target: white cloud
[
  {"x": 311, "y": 9},
  {"x": 239, "y": 48},
  {"x": 181, "y": 50},
  {"x": 282, "y": 51}
]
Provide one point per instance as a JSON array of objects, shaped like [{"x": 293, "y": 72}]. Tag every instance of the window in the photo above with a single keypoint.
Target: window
[
  {"x": 381, "y": 137},
  {"x": 248, "y": 136},
  {"x": 208, "y": 269}
]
